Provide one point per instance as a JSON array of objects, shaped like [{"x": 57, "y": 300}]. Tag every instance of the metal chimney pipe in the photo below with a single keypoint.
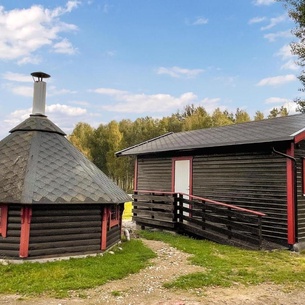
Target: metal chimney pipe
[{"x": 39, "y": 97}]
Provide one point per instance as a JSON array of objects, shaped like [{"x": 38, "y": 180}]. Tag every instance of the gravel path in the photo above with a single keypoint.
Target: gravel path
[{"x": 146, "y": 288}]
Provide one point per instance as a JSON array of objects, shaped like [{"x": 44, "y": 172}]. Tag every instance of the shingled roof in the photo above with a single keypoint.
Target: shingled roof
[
  {"x": 39, "y": 165},
  {"x": 264, "y": 131}
]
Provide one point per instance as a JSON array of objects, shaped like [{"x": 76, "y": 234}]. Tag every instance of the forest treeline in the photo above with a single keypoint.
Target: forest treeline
[{"x": 100, "y": 144}]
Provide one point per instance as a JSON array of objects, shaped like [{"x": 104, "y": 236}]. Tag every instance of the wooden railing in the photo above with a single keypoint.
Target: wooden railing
[{"x": 217, "y": 221}]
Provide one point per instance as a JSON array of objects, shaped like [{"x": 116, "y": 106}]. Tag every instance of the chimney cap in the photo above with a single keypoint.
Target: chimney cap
[{"x": 40, "y": 75}]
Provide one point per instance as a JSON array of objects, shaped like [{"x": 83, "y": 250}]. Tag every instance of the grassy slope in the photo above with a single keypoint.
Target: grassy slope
[
  {"x": 225, "y": 265},
  {"x": 57, "y": 278}
]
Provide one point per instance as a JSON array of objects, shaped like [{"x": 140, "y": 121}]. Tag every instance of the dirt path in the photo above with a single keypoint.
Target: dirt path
[{"x": 146, "y": 288}]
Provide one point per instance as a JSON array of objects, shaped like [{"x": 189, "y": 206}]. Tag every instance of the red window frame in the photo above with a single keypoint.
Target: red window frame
[
  {"x": 114, "y": 215},
  {"x": 3, "y": 220}
]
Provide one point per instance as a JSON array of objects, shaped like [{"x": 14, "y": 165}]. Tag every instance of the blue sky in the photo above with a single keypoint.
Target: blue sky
[{"x": 117, "y": 59}]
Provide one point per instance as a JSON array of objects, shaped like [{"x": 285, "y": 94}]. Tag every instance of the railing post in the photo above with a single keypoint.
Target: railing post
[
  {"x": 180, "y": 208},
  {"x": 260, "y": 237},
  {"x": 134, "y": 203},
  {"x": 203, "y": 214},
  {"x": 175, "y": 209},
  {"x": 229, "y": 227}
]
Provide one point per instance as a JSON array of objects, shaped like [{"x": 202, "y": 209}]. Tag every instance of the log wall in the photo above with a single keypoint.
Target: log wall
[
  {"x": 254, "y": 180},
  {"x": 9, "y": 246},
  {"x": 64, "y": 230},
  {"x": 155, "y": 174}
]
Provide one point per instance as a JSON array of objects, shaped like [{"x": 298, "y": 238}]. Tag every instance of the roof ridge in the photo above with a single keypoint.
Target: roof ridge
[{"x": 244, "y": 123}]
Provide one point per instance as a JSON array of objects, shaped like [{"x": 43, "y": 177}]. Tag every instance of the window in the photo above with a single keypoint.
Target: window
[
  {"x": 3, "y": 220},
  {"x": 114, "y": 215}
]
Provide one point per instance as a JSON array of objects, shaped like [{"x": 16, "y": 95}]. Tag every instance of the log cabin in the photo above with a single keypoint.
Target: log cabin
[
  {"x": 53, "y": 200},
  {"x": 258, "y": 165}
]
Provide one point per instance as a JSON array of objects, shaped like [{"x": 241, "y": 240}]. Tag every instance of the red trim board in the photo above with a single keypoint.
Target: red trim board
[
  {"x": 26, "y": 215},
  {"x": 291, "y": 224}
]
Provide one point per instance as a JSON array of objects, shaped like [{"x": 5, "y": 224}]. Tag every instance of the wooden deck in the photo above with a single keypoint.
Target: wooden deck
[{"x": 212, "y": 220}]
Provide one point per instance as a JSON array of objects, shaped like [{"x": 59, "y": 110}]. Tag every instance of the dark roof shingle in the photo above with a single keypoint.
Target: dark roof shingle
[
  {"x": 42, "y": 166},
  {"x": 264, "y": 131}
]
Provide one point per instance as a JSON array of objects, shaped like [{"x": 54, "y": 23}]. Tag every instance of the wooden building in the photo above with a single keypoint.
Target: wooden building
[
  {"x": 256, "y": 165},
  {"x": 53, "y": 200}
]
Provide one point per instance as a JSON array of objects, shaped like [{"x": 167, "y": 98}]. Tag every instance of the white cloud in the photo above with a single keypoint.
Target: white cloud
[
  {"x": 200, "y": 21},
  {"x": 274, "y": 36},
  {"x": 111, "y": 92},
  {"x": 210, "y": 104},
  {"x": 285, "y": 52},
  {"x": 290, "y": 65},
  {"x": 26, "y": 91},
  {"x": 256, "y": 20},
  {"x": 17, "y": 117},
  {"x": 288, "y": 104},
  {"x": 17, "y": 77},
  {"x": 141, "y": 103},
  {"x": 52, "y": 90},
  {"x": 274, "y": 21},
  {"x": 64, "y": 47},
  {"x": 263, "y": 2},
  {"x": 286, "y": 55},
  {"x": 277, "y": 80},
  {"x": 276, "y": 100},
  {"x": 24, "y": 31},
  {"x": 178, "y": 72},
  {"x": 65, "y": 115},
  {"x": 35, "y": 60},
  {"x": 110, "y": 53},
  {"x": 65, "y": 109}
]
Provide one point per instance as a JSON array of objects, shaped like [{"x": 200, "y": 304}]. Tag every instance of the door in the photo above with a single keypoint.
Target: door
[
  {"x": 182, "y": 179},
  {"x": 182, "y": 176}
]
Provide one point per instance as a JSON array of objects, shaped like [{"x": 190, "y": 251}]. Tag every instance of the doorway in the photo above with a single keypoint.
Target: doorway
[{"x": 182, "y": 177}]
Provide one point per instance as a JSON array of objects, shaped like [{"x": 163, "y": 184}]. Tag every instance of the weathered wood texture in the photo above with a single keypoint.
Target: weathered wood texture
[
  {"x": 206, "y": 219},
  {"x": 9, "y": 246},
  {"x": 155, "y": 174},
  {"x": 215, "y": 221},
  {"x": 154, "y": 210},
  {"x": 65, "y": 230},
  {"x": 299, "y": 155},
  {"x": 253, "y": 180},
  {"x": 113, "y": 236}
]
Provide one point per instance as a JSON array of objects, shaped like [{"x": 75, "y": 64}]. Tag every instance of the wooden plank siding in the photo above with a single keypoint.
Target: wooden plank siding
[
  {"x": 299, "y": 155},
  {"x": 65, "y": 230},
  {"x": 155, "y": 174},
  {"x": 255, "y": 181},
  {"x": 9, "y": 246}
]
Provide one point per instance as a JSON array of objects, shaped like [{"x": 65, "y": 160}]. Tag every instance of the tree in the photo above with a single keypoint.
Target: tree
[
  {"x": 197, "y": 120},
  {"x": 296, "y": 11},
  {"x": 275, "y": 112},
  {"x": 221, "y": 118},
  {"x": 82, "y": 137},
  {"x": 241, "y": 116},
  {"x": 258, "y": 116}
]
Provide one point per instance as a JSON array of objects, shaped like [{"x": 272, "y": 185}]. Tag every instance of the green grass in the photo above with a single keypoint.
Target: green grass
[
  {"x": 58, "y": 278},
  {"x": 226, "y": 266},
  {"x": 127, "y": 214}
]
